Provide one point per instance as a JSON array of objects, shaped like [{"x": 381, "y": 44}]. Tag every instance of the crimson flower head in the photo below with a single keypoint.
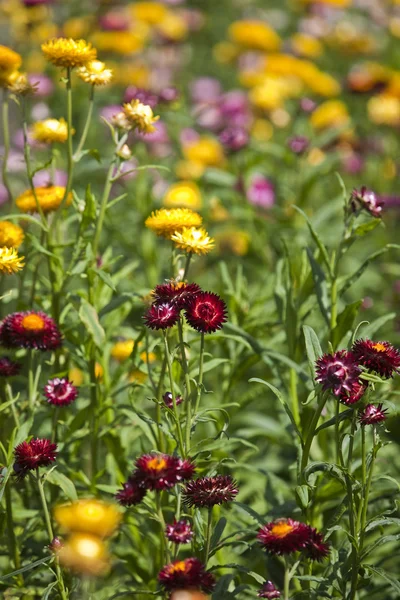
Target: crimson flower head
[
  {"x": 206, "y": 312},
  {"x": 34, "y": 454},
  {"x": 338, "y": 372},
  {"x": 269, "y": 591},
  {"x": 372, "y": 414},
  {"x": 8, "y": 368},
  {"x": 132, "y": 492},
  {"x": 177, "y": 293},
  {"x": 209, "y": 491},
  {"x": 316, "y": 548},
  {"x": 161, "y": 316},
  {"x": 355, "y": 394},
  {"x": 179, "y": 532},
  {"x": 169, "y": 402},
  {"x": 380, "y": 357},
  {"x": 366, "y": 199},
  {"x": 186, "y": 574},
  {"x": 162, "y": 471},
  {"x": 60, "y": 392},
  {"x": 31, "y": 329},
  {"x": 284, "y": 536}
]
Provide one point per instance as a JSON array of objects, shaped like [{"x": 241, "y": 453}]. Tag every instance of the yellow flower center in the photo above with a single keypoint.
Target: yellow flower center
[
  {"x": 178, "y": 567},
  {"x": 157, "y": 464},
  {"x": 33, "y": 323},
  {"x": 281, "y": 529},
  {"x": 91, "y": 511},
  {"x": 379, "y": 347},
  {"x": 89, "y": 547}
]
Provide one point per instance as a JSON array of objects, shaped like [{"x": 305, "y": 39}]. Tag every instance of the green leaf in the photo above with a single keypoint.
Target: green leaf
[
  {"x": 218, "y": 531},
  {"x": 29, "y": 567},
  {"x": 313, "y": 347},
  {"x": 345, "y": 322},
  {"x": 364, "y": 265},
  {"x": 61, "y": 481},
  {"x": 365, "y": 228},
  {"x": 94, "y": 153},
  {"x": 321, "y": 288},
  {"x": 370, "y": 330},
  {"x": 90, "y": 319},
  {"x": 209, "y": 365},
  {"x": 391, "y": 579},
  {"x": 104, "y": 277},
  {"x": 317, "y": 240},
  {"x": 302, "y": 496}
]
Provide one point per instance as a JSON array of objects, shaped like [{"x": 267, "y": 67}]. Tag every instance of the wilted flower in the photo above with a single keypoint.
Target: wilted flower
[
  {"x": 206, "y": 312},
  {"x": 64, "y": 52},
  {"x": 189, "y": 573},
  {"x": 338, "y": 372},
  {"x": 60, "y": 392},
  {"x": 8, "y": 368},
  {"x": 95, "y": 72},
  {"x": 193, "y": 240},
  {"x": 132, "y": 492},
  {"x": 162, "y": 471},
  {"x": 269, "y": 591},
  {"x": 179, "y": 532},
  {"x": 372, "y": 414},
  {"x": 169, "y": 402},
  {"x": 167, "y": 221},
  {"x": 10, "y": 262},
  {"x": 49, "y": 198},
  {"x": 11, "y": 235},
  {"x": 85, "y": 553},
  {"x": 177, "y": 293},
  {"x": 284, "y": 536},
  {"x": 380, "y": 357},
  {"x": 140, "y": 116},
  {"x": 50, "y": 130},
  {"x": 368, "y": 200},
  {"x": 88, "y": 516},
  {"x": 34, "y": 454},
  {"x": 20, "y": 85},
  {"x": 30, "y": 329},
  {"x": 209, "y": 491},
  {"x": 161, "y": 316}
]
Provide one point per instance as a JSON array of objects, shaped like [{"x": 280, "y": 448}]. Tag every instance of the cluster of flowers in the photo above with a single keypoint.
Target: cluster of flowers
[
  {"x": 341, "y": 373},
  {"x": 204, "y": 311}
]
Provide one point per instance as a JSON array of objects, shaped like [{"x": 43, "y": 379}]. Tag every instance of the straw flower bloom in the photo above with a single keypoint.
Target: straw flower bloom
[
  {"x": 206, "y": 312},
  {"x": 132, "y": 492},
  {"x": 85, "y": 554},
  {"x": 31, "y": 329},
  {"x": 284, "y": 536},
  {"x": 50, "y": 130},
  {"x": 380, "y": 357},
  {"x": 184, "y": 194},
  {"x": 9, "y": 61},
  {"x": 49, "y": 198},
  {"x": 140, "y": 116},
  {"x": 88, "y": 516},
  {"x": 11, "y": 235},
  {"x": 34, "y": 454},
  {"x": 372, "y": 414},
  {"x": 186, "y": 574},
  {"x": 167, "y": 221},
  {"x": 161, "y": 316},
  {"x": 269, "y": 591},
  {"x": 19, "y": 84},
  {"x": 177, "y": 293},
  {"x": 10, "y": 262},
  {"x": 95, "y": 72},
  {"x": 338, "y": 372},
  {"x": 9, "y": 368},
  {"x": 60, "y": 392},
  {"x": 209, "y": 491},
  {"x": 179, "y": 532},
  {"x": 69, "y": 53},
  {"x": 193, "y": 240}
]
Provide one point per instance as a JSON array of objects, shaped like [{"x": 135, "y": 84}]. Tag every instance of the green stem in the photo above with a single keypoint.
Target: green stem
[
  {"x": 333, "y": 307},
  {"x": 286, "y": 582},
  {"x": 103, "y": 207},
  {"x": 363, "y": 477},
  {"x": 54, "y": 424},
  {"x": 310, "y": 434},
  {"x": 70, "y": 159},
  {"x": 337, "y": 437},
  {"x": 294, "y": 396},
  {"x": 187, "y": 265},
  {"x": 208, "y": 536},
  {"x": 200, "y": 377},
  {"x": 31, "y": 381},
  {"x": 367, "y": 491},
  {"x": 86, "y": 128},
  {"x": 161, "y": 442},
  {"x": 171, "y": 382},
  {"x": 188, "y": 400},
  {"x": 355, "y": 552},
  {"x": 94, "y": 426},
  {"x": 9, "y": 398},
  {"x": 164, "y": 547},
  {"x": 12, "y": 542},
  {"x": 6, "y": 142}
]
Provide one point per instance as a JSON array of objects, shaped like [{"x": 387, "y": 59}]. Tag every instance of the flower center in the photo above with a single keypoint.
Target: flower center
[
  {"x": 92, "y": 512},
  {"x": 89, "y": 548},
  {"x": 206, "y": 312},
  {"x": 281, "y": 529},
  {"x": 178, "y": 567},
  {"x": 379, "y": 347},
  {"x": 157, "y": 464},
  {"x": 33, "y": 322}
]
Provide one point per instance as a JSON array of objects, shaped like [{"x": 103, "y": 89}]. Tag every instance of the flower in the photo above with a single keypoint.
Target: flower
[
  {"x": 85, "y": 554},
  {"x": 380, "y": 357},
  {"x": 338, "y": 372},
  {"x": 34, "y": 454},
  {"x": 69, "y": 53},
  {"x": 167, "y": 221},
  {"x": 206, "y": 312},
  {"x": 356, "y": 392},
  {"x": 55, "y": 545},
  {"x": 204, "y": 152},
  {"x": 180, "y": 532},
  {"x": 316, "y": 548},
  {"x": 19, "y": 84},
  {"x": 31, "y": 329},
  {"x": 50, "y": 130},
  {"x": 168, "y": 401},
  {"x": 193, "y": 240},
  {"x": 132, "y": 492},
  {"x": 367, "y": 199},
  {"x": 9, "y": 61},
  {"x": 49, "y": 198},
  {"x": 8, "y": 368},
  {"x": 261, "y": 192},
  {"x": 88, "y": 516},
  {"x": 140, "y": 116},
  {"x": 161, "y": 316},
  {"x": 331, "y": 113},
  {"x": 189, "y": 573},
  {"x": 269, "y": 591},
  {"x": 95, "y": 72},
  {"x": 255, "y": 35},
  {"x": 234, "y": 138},
  {"x": 284, "y": 536},
  {"x": 60, "y": 392},
  {"x": 209, "y": 491},
  {"x": 184, "y": 194},
  {"x": 122, "y": 350},
  {"x": 372, "y": 414},
  {"x": 10, "y": 262},
  {"x": 298, "y": 144},
  {"x": 177, "y": 293},
  {"x": 11, "y": 235},
  {"x": 162, "y": 471}
]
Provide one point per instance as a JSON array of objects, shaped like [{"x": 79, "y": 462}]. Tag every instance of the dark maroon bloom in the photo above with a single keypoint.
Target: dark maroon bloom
[
  {"x": 298, "y": 144},
  {"x": 186, "y": 574},
  {"x": 161, "y": 316},
  {"x": 368, "y": 200},
  {"x": 206, "y": 312},
  {"x": 176, "y": 293},
  {"x": 209, "y": 491},
  {"x": 144, "y": 96},
  {"x": 372, "y": 414},
  {"x": 316, "y": 548},
  {"x": 354, "y": 395},
  {"x": 269, "y": 591},
  {"x": 338, "y": 372},
  {"x": 162, "y": 471},
  {"x": 132, "y": 492},
  {"x": 169, "y": 402},
  {"x": 30, "y": 329},
  {"x": 33, "y": 454},
  {"x": 284, "y": 536},
  {"x": 8, "y": 368},
  {"x": 60, "y": 392},
  {"x": 381, "y": 357},
  {"x": 180, "y": 532},
  {"x": 234, "y": 138}
]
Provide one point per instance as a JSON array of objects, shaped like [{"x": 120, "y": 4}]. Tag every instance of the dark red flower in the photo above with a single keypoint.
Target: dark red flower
[
  {"x": 186, "y": 574},
  {"x": 177, "y": 293},
  {"x": 132, "y": 492},
  {"x": 33, "y": 454},
  {"x": 372, "y": 414},
  {"x": 162, "y": 471},
  {"x": 381, "y": 357},
  {"x": 31, "y": 329},
  {"x": 269, "y": 591},
  {"x": 338, "y": 372},
  {"x": 316, "y": 548},
  {"x": 179, "y": 532},
  {"x": 60, "y": 392},
  {"x": 368, "y": 200},
  {"x": 284, "y": 536},
  {"x": 209, "y": 491},
  {"x": 161, "y": 316},
  {"x": 206, "y": 312},
  {"x": 8, "y": 368},
  {"x": 354, "y": 395},
  {"x": 169, "y": 402}
]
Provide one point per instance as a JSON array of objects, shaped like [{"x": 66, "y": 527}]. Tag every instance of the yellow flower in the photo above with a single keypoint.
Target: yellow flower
[
  {"x": 10, "y": 262},
  {"x": 384, "y": 110},
  {"x": 185, "y": 194},
  {"x": 9, "y": 61},
  {"x": 262, "y": 130},
  {"x": 50, "y": 130},
  {"x": 49, "y": 198},
  {"x": 19, "y": 84},
  {"x": 316, "y": 157},
  {"x": 132, "y": 73},
  {"x": 306, "y": 45},
  {"x": 332, "y": 113},
  {"x": 85, "y": 554},
  {"x": 206, "y": 151},
  {"x": 95, "y": 72},
  {"x": 255, "y": 35},
  {"x": 186, "y": 169},
  {"x": 140, "y": 116},
  {"x": 173, "y": 27},
  {"x": 148, "y": 357},
  {"x": 11, "y": 235},
  {"x": 167, "y": 221},
  {"x": 98, "y": 371},
  {"x": 323, "y": 84},
  {"x": 149, "y": 12},
  {"x": 225, "y": 52},
  {"x": 235, "y": 241},
  {"x": 75, "y": 376},
  {"x": 137, "y": 376},
  {"x": 66, "y": 52},
  {"x": 88, "y": 516},
  {"x": 126, "y": 42},
  {"x": 270, "y": 94},
  {"x": 122, "y": 350},
  {"x": 194, "y": 240}
]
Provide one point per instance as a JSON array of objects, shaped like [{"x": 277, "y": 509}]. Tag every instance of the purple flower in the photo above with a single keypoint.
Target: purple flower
[
  {"x": 261, "y": 192},
  {"x": 367, "y": 199},
  {"x": 234, "y": 138},
  {"x": 43, "y": 83},
  {"x": 298, "y": 144},
  {"x": 179, "y": 532},
  {"x": 60, "y": 392},
  {"x": 307, "y": 105},
  {"x": 338, "y": 372},
  {"x": 144, "y": 96},
  {"x": 205, "y": 90},
  {"x": 108, "y": 112},
  {"x": 44, "y": 178}
]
